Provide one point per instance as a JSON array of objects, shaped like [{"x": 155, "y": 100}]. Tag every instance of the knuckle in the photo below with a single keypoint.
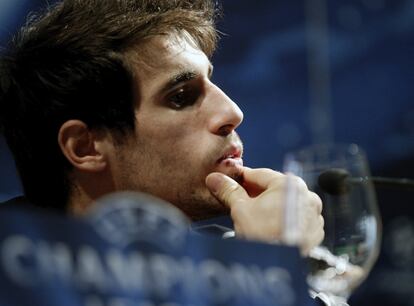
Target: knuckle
[
  {"x": 278, "y": 180},
  {"x": 321, "y": 236},
  {"x": 316, "y": 201},
  {"x": 270, "y": 172},
  {"x": 300, "y": 183},
  {"x": 277, "y": 174}
]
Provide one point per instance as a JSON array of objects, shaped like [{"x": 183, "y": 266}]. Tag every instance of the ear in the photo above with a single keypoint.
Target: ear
[{"x": 81, "y": 146}]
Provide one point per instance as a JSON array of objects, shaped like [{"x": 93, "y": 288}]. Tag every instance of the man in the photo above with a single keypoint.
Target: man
[{"x": 105, "y": 95}]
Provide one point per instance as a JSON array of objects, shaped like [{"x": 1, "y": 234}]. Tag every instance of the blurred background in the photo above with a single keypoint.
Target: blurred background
[{"x": 313, "y": 71}]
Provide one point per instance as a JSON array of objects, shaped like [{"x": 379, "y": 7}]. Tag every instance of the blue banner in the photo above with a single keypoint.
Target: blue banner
[{"x": 48, "y": 259}]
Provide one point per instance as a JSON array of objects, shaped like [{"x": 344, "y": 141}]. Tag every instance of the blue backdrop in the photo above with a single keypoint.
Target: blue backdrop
[
  {"x": 304, "y": 72},
  {"x": 309, "y": 71}
]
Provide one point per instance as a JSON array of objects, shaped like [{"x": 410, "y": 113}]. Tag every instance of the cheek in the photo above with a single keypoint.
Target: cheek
[
  {"x": 172, "y": 135},
  {"x": 175, "y": 142},
  {"x": 161, "y": 125},
  {"x": 185, "y": 153}
]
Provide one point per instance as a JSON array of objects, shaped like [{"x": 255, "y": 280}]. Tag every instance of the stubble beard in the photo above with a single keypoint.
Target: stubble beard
[
  {"x": 193, "y": 199},
  {"x": 200, "y": 204},
  {"x": 197, "y": 202}
]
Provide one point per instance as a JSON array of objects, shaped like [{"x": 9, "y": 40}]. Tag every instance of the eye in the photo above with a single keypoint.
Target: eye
[{"x": 183, "y": 97}]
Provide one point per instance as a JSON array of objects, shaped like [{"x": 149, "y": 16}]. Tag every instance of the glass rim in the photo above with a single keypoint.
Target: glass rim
[
  {"x": 351, "y": 148},
  {"x": 332, "y": 155}
]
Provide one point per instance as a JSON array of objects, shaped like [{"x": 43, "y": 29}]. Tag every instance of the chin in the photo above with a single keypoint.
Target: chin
[
  {"x": 235, "y": 173},
  {"x": 204, "y": 207}
]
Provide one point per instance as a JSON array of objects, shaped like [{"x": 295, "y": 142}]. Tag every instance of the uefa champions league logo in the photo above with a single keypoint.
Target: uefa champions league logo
[{"x": 126, "y": 218}]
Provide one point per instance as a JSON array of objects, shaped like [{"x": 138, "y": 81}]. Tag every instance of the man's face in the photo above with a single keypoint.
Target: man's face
[{"x": 184, "y": 129}]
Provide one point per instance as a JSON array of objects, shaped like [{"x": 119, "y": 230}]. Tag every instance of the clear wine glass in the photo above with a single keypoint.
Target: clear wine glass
[{"x": 337, "y": 173}]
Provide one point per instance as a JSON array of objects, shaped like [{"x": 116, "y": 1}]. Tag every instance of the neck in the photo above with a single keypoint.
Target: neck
[{"x": 86, "y": 189}]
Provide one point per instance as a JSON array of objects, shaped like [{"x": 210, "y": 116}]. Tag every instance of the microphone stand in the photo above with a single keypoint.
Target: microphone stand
[{"x": 387, "y": 181}]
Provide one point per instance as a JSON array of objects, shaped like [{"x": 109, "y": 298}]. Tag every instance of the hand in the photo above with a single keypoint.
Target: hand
[{"x": 257, "y": 206}]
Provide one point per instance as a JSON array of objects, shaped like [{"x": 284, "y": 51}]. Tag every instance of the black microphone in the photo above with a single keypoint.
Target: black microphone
[{"x": 337, "y": 181}]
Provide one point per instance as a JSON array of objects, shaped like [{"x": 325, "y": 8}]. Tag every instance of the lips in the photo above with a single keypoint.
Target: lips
[{"x": 231, "y": 157}]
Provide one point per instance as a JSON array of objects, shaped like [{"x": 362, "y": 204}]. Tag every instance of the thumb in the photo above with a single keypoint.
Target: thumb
[{"x": 225, "y": 189}]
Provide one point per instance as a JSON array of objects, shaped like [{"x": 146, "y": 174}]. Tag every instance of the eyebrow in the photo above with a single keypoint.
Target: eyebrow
[
  {"x": 184, "y": 76},
  {"x": 181, "y": 77}
]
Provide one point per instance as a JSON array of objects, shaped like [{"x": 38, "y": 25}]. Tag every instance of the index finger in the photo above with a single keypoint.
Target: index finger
[
  {"x": 262, "y": 177},
  {"x": 225, "y": 189}
]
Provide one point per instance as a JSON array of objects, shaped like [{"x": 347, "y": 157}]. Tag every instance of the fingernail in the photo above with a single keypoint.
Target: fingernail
[{"x": 214, "y": 181}]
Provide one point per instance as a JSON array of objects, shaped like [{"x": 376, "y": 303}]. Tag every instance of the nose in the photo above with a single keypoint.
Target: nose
[{"x": 227, "y": 115}]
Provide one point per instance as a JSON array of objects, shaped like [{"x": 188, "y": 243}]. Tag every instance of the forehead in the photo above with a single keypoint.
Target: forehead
[{"x": 164, "y": 52}]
